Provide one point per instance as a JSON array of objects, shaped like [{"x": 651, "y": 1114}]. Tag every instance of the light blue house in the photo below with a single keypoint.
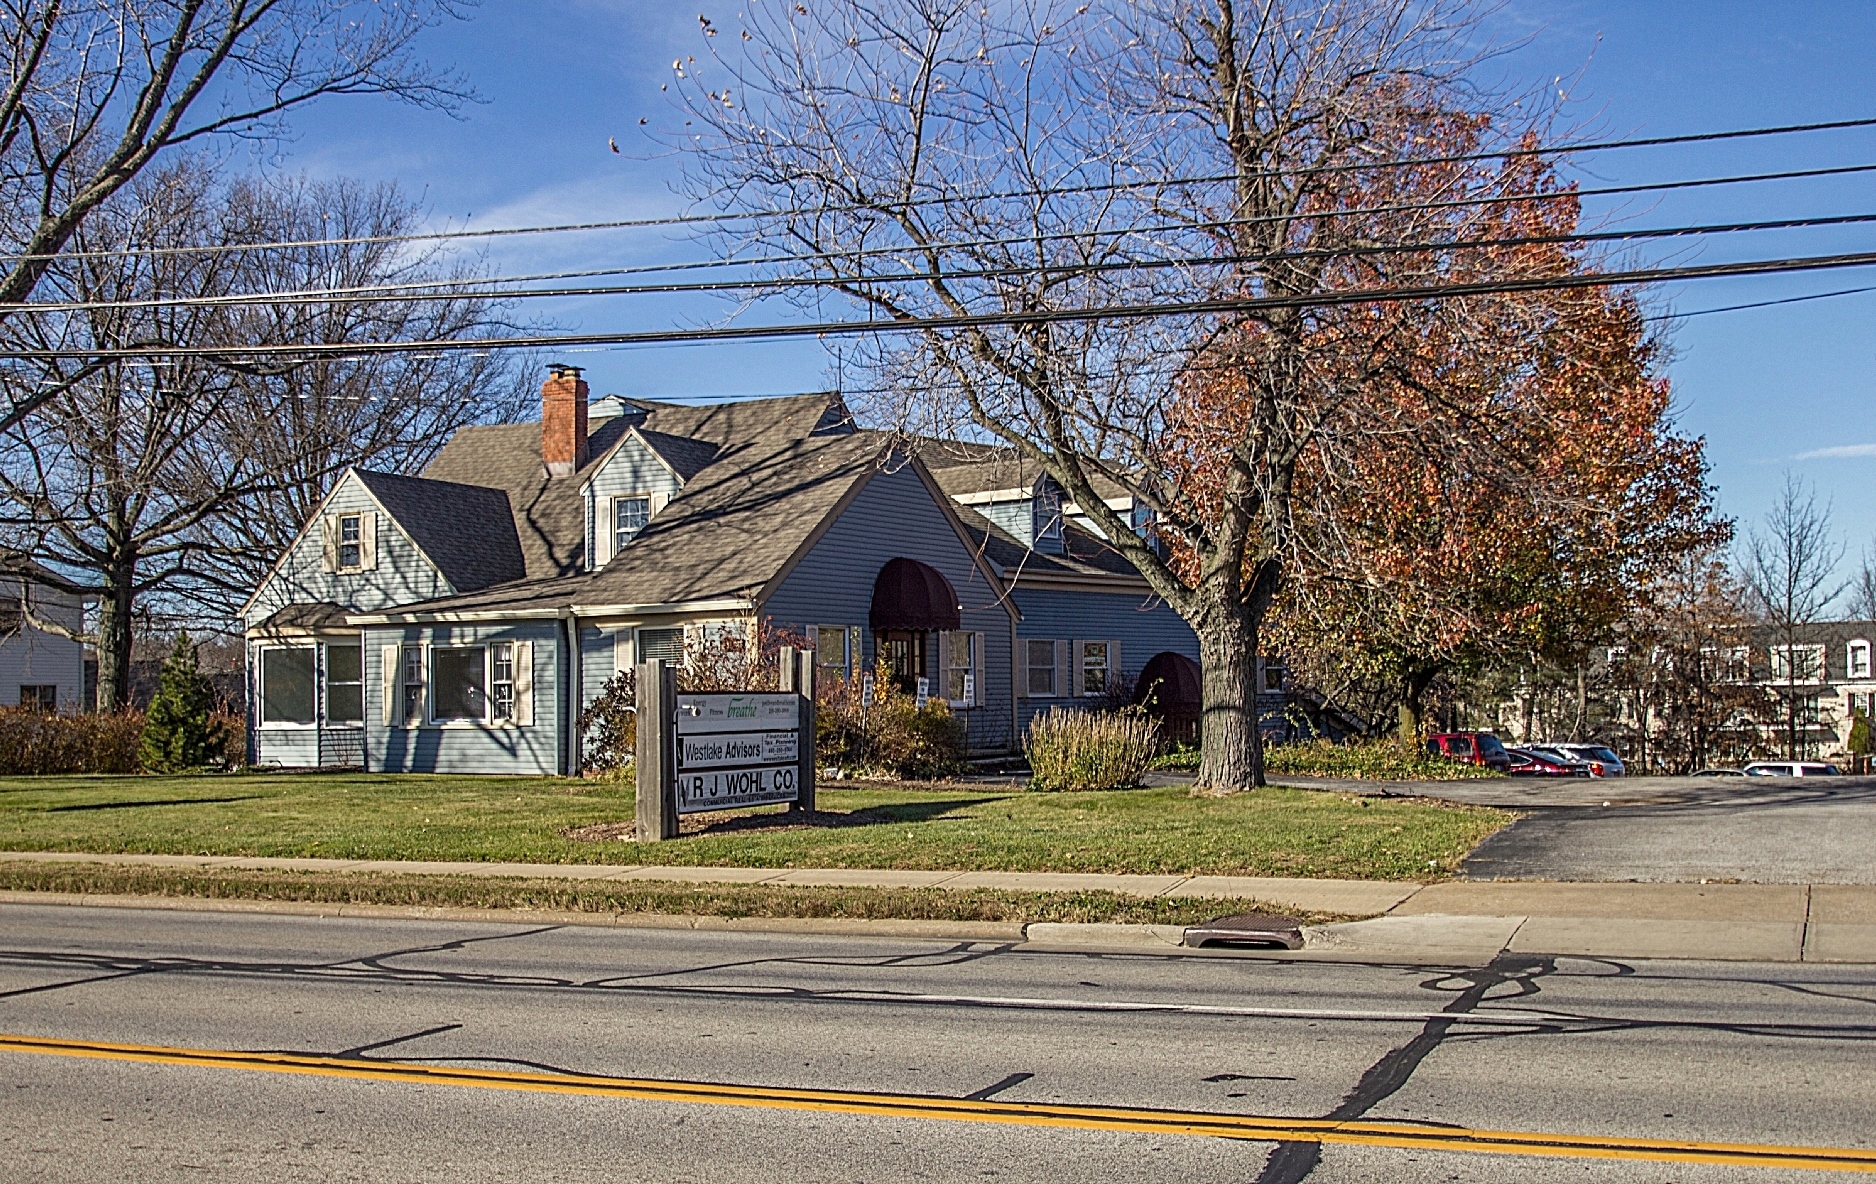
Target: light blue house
[{"x": 458, "y": 621}]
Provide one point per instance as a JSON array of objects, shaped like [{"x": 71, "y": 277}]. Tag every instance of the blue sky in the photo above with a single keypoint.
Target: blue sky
[{"x": 1771, "y": 389}]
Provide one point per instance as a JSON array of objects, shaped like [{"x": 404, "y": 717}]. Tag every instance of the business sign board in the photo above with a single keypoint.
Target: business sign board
[{"x": 737, "y": 750}]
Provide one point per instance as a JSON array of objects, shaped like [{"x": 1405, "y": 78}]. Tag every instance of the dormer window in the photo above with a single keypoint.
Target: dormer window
[
  {"x": 351, "y": 544},
  {"x": 629, "y": 516},
  {"x": 1858, "y": 660},
  {"x": 1047, "y": 510}
]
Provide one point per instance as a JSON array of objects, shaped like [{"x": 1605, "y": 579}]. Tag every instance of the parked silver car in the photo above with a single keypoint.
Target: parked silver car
[{"x": 1792, "y": 769}]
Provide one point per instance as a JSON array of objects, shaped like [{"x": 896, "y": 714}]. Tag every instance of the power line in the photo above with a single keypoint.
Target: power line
[
  {"x": 888, "y": 205},
  {"x": 463, "y": 289},
  {"x": 1248, "y": 304},
  {"x": 398, "y": 294}
]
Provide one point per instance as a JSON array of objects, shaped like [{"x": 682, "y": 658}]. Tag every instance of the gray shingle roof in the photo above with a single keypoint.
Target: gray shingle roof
[
  {"x": 1083, "y": 554},
  {"x": 687, "y": 457},
  {"x": 468, "y": 531},
  {"x": 732, "y": 529}
]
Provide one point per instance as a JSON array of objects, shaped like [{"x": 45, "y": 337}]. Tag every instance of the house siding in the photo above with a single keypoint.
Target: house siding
[
  {"x": 894, "y": 515},
  {"x": 403, "y": 575},
  {"x": 1142, "y": 623},
  {"x": 534, "y": 749},
  {"x": 630, "y": 470},
  {"x": 33, "y": 657}
]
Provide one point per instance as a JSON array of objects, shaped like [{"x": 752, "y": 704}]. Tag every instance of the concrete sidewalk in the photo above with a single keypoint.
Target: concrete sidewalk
[{"x": 1456, "y": 922}]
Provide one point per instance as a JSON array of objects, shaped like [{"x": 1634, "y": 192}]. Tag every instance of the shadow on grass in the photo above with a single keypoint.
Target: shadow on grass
[
  {"x": 723, "y": 822},
  {"x": 251, "y": 797}
]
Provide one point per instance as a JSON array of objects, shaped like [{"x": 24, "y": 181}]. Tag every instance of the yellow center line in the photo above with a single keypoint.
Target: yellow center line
[{"x": 1407, "y": 1135}]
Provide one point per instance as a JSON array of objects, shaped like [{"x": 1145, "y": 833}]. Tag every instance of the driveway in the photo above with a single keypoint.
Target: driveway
[{"x": 1813, "y": 830}]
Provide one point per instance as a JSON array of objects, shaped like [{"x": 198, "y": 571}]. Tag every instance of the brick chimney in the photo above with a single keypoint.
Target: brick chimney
[{"x": 563, "y": 421}]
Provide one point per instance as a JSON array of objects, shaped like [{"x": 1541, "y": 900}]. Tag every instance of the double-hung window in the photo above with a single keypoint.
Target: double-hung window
[
  {"x": 1097, "y": 666},
  {"x": 351, "y": 541},
  {"x": 413, "y": 685},
  {"x": 1857, "y": 665},
  {"x": 1040, "y": 656},
  {"x": 830, "y": 653},
  {"x": 959, "y": 652},
  {"x": 40, "y": 696},
  {"x": 629, "y": 516},
  {"x": 345, "y": 684},
  {"x": 502, "y": 681}
]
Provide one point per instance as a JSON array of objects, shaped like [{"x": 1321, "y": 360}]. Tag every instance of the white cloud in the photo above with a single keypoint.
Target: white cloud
[{"x": 1840, "y": 452}]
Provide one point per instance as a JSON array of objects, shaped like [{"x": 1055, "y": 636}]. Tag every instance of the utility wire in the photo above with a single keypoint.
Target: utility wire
[
  {"x": 464, "y": 289},
  {"x": 395, "y": 294},
  {"x": 888, "y": 205},
  {"x": 845, "y": 328}
]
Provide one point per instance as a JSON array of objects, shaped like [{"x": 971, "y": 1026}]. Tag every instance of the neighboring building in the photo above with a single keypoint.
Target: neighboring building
[
  {"x": 1822, "y": 678},
  {"x": 458, "y": 621},
  {"x": 40, "y": 668}
]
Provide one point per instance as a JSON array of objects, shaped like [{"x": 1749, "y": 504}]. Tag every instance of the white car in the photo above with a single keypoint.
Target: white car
[{"x": 1792, "y": 769}]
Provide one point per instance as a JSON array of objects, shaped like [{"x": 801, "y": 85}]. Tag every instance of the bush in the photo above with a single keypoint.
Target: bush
[
  {"x": 893, "y": 737},
  {"x": 1379, "y": 760},
  {"x": 610, "y": 726},
  {"x": 179, "y": 734},
  {"x": 36, "y": 742},
  {"x": 1085, "y": 750}
]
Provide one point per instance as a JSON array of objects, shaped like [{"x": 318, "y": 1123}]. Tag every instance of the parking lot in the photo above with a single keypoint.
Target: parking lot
[{"x": 1676, "y": 829}]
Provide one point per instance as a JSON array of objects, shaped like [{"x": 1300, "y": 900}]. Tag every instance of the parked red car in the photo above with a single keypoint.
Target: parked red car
[
  {"x": 1526, "y": 762},
  {"x": 1474, "y": 748}
]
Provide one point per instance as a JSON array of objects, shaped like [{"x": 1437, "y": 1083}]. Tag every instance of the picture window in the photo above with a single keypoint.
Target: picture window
[
  {"x": 459, "y": 683},
  {"x": 287, "y": 686}
]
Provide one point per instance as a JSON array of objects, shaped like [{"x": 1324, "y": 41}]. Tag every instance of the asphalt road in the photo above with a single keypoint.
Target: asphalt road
[
  {"x": 1600, "y": 1050},
  {"x": 1801, "y": 830}
]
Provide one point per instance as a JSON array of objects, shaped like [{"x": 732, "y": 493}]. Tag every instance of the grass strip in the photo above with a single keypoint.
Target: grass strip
[{"x": 647, "y": 896}]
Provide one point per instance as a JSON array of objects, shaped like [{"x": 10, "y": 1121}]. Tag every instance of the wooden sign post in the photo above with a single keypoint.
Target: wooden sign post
[{"x": 656, "y": 755}]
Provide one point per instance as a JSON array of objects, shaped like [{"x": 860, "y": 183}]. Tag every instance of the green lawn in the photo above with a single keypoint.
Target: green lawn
[{"x": 1278, "y": 832}]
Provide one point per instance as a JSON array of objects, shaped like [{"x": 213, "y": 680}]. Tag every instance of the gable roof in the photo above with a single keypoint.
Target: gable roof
[
  {"x": 963, "y": 468},
  {"x": 467, "y": 531},
  {"x": 681, "y": 454},
  {"x": 14, "y": 563},
  {"x": 1083, "y": 554}
]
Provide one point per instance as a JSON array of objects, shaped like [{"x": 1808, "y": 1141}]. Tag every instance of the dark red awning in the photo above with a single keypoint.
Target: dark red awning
[
  {"x": 1169, "y": 684},
  {"x": 910, "y": 595}
]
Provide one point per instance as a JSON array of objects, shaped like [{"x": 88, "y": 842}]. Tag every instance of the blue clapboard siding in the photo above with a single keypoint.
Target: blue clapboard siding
[
  {"x": 403, "y": 575},
  {"x": 629, "y": 472},
  {"x": 458, "y": 748},
  {"x": 1139, "y": 621},
  {"x": 597, "y": 661},
  {"x": 894, "y": 515}
]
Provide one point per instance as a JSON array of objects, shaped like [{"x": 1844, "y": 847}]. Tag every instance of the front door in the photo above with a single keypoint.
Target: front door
[{"x": 903, "y": 651}]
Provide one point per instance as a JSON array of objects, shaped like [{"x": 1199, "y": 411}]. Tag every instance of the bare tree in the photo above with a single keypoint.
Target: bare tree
[
  {"x": 1043, "y": 190},
  {"x": 174, "y": 481},
  {"x": 1860, "y": 603},
  {"x": 1789, "y": 569},
  {"x": 96, "y": 92}
]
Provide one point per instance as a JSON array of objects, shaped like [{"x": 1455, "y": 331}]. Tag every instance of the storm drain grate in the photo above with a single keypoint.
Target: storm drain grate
[{"x": 1247, "y": 929}]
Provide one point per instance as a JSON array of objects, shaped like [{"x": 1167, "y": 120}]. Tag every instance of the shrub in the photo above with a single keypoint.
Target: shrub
[
  {"x": 610, "y": 726},
  {"x": 1380, "y": 760},
  {"x": 37, "y": 742},
  {"x": 178, "y": 733},
  {"x": 892, "y": 737},
  {"x": 1084, "y": 750}
]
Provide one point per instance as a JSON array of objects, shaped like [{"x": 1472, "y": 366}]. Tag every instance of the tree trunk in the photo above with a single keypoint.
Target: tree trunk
[
  {"x": 1413, "y": 697},
  {"x": 1231, "y": 750},
  {"x": 114, "y": 642}
]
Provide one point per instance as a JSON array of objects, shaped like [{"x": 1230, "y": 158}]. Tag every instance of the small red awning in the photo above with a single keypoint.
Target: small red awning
[{"x": 908, "y": 594}]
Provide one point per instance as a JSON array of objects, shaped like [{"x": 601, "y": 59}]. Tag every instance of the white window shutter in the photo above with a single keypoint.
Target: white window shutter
[
  {"x": 1063, "y": 668},
  {"x": 622, "y": 657},
  {"x": 329, "y": 543},
  {"x": 390, "y": 678},
  {"x": 524, "y": 683},
  {"x": 368, "y": 540}
]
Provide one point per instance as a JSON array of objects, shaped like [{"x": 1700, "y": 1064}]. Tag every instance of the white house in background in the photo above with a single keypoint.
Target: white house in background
[{"x": 39, "y": 668}]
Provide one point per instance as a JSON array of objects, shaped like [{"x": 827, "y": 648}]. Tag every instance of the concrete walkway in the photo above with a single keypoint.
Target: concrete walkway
[{"x": 1458, "y": 922}]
